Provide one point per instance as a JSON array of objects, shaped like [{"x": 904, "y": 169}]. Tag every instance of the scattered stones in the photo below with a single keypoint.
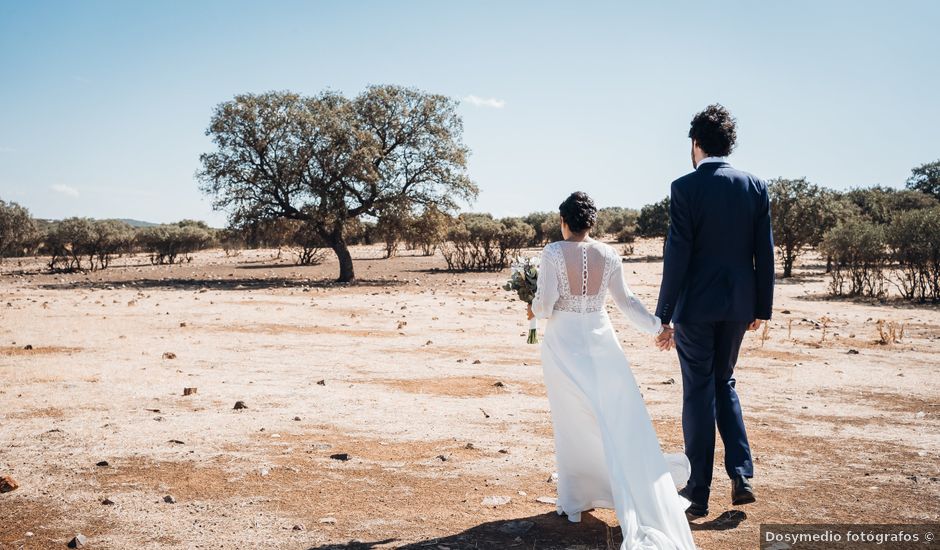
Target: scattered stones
[
  {"x": 8, "y": 484},
  {"x": 78, "y": 541},
  {"x": 340, "y": 456},
  {"x": 182, "y": 325},
  {"x": 298, "y": 527},
  {"x": 103, "y": 464},
  {"x": 321, "y": 382},
  {"x": 239, "y": 405},
  {"x": 296, "y": 419},
  {"x": 495, "y": 501},
  {"x": 28, "y": 347},
  {"x": 469, "y": 446},
  {"x": 547, "y": 500},
  {"x": 670, "y": 381},
  {"x": 785, "y": 312},
  {"x": 107, "y": 502},
  {"x": 478, "y": 362},
  {"x": 503, "y": 452},
  {"x": 176, "y": 442},
  {"x": 853, "y": 352},
  {"x": 169, "y": 355},
  {"x": 169, "y": 499},
  {"x": 442, "y": 458},
  {"x": 330, "y": 520},
  {"x": 485, "y": 414},
  {"x": 189, "y": 391}
]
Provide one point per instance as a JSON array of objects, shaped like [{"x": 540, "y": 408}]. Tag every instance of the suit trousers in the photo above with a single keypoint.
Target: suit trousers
[{"x": 707, "y": 355}]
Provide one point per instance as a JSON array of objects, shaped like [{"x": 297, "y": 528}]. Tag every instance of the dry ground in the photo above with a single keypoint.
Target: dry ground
[{"x": 400, "y": 372}]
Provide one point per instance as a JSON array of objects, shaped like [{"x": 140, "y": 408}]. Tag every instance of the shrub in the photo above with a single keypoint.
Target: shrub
[
  {"x": 914, "y": 240},
  {"x": 173, "y": 243},
  {"x": 477, "y": 242},
  {"x": 535, "y": 220},
  {"x": 429, "y": 230},
  {"x": 615, "y": 220},
  {"x": 19, "y": 233},
  {"x": 310, "y": 246},
  {"x": 857, "y": 248},
  {"x": 76, "y": 243},
  {"x": 653, "y": 220}
]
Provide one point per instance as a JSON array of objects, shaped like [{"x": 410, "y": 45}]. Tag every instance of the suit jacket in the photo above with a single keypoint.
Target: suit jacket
[{"x": 719, "y": 259}]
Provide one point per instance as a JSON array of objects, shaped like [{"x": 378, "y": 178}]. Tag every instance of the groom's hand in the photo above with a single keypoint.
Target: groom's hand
[
  {"x": 664, "y": 341},
  {"x": 755, "y": 324}
]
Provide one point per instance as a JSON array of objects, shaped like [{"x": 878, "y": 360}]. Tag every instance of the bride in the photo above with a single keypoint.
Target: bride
[{"x": 606, "y": 450}]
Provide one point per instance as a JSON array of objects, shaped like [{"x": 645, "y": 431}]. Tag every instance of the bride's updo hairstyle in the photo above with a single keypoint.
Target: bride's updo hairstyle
[{"x": 578, "y": 211}]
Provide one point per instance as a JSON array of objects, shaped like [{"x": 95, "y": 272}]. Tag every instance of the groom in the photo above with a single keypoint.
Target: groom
[{"x": 718, "y": 280}]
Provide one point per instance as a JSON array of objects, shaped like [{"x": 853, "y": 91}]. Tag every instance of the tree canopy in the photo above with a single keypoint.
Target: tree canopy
[{"x": 328, "y": 159}]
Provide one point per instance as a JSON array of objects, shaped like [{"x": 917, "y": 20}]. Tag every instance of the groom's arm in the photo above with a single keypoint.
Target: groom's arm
[
  {"x": 764, "y": 259},
  {"x": 678, "y": 253}
]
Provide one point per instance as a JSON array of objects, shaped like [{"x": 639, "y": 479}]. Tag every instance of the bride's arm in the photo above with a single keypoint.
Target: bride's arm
[
  {"x": 629, "y": 304},
  {"x": 546, "y": 294}
]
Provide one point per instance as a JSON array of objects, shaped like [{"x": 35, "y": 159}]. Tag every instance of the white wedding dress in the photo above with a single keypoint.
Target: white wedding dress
[{"x": 606, "y": 450}]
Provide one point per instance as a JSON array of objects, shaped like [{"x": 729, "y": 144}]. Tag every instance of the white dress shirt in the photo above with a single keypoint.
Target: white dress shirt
[{"x": 711, "y": 159}]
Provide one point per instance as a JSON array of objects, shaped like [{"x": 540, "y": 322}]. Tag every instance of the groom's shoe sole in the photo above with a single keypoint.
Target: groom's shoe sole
[{"x": 746, "y": 498}]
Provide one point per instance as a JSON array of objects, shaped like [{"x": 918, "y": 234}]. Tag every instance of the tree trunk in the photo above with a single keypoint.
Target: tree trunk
[{"x": 339, "y": 246}]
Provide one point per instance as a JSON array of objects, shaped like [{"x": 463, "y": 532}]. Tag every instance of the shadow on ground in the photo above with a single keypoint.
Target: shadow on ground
[
  {"x": 729, "y": 519},
  {"x": 219, "y": 284},
  {"x": 543, "y": 532}
]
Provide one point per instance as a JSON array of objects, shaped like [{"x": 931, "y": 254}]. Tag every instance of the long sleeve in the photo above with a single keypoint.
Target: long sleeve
[
  {"x": 629, "y": 304},
  {"x": 546, "y": 294},
  {"x": 764, "y": 260},
  {"x": 677, "y": 256}
]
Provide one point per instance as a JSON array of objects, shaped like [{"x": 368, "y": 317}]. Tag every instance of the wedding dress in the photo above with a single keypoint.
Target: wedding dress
[{"x": 606, "y": 450}]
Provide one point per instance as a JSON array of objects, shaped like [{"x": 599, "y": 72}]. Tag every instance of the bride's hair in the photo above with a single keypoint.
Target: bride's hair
[{"x": 578, "y": 211}]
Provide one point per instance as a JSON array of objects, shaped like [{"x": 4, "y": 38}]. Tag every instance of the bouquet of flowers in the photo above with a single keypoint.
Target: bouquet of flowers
[{"x": 524, "y": 280}]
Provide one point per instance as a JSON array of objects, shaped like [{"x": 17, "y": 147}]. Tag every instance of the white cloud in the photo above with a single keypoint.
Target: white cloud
[
  {"x": 491, "y": 102},
  {"x": 65, "y": 190}
]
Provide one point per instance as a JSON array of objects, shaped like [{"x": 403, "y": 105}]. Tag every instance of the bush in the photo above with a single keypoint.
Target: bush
[
  {"x": 174, "y": 243},
  {"x": 477, "y": 242},
  {"x": 857, "y": 249},
  {"x": 429, "y": 230},
  {"x": 653, "y": 220},
  {"x": 914, "y": 240},
  {"x": 537, "y": 221},
  {"x": 310, "y": 246},
  {"x": 19, "y": 233},
  {"x": 77, "y": 243},
  {"x": 393, "y": 227},
  {"x": 615, "y": 220},
  {"x": 881, "y": 204}
]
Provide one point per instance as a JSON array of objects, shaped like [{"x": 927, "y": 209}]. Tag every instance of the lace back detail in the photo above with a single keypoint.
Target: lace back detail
[{"x": 583, "y": 303}]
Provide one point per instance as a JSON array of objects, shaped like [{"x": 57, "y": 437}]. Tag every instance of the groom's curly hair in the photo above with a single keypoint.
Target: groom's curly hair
[
  {"x": 714, "y": 131},
  {"x": 578, "y": 211}
]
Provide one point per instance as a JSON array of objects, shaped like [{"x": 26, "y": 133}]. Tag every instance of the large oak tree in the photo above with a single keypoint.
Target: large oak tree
[{"x": 327, "y": 160}]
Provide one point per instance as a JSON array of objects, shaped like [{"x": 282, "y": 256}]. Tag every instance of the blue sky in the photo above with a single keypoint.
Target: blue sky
[{"x": 103, "y": 105}]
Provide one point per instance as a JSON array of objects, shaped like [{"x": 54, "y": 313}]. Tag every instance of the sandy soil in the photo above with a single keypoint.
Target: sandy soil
[{"x": 424, "y": 380}]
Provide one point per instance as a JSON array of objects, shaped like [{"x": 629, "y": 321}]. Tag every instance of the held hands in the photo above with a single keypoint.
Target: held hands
[
  {"x": 665, "y": 340},
  {"x": 755, "y": 324}
]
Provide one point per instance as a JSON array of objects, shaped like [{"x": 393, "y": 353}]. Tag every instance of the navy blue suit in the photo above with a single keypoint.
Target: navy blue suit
[{"x": 718, "y": 276}]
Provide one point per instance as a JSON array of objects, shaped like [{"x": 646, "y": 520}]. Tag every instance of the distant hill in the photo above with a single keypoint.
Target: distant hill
[{"x": 137, "y": 223}]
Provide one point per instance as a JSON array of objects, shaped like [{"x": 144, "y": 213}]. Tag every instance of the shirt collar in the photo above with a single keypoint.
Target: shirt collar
[{"x": 711, "y": 159}]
